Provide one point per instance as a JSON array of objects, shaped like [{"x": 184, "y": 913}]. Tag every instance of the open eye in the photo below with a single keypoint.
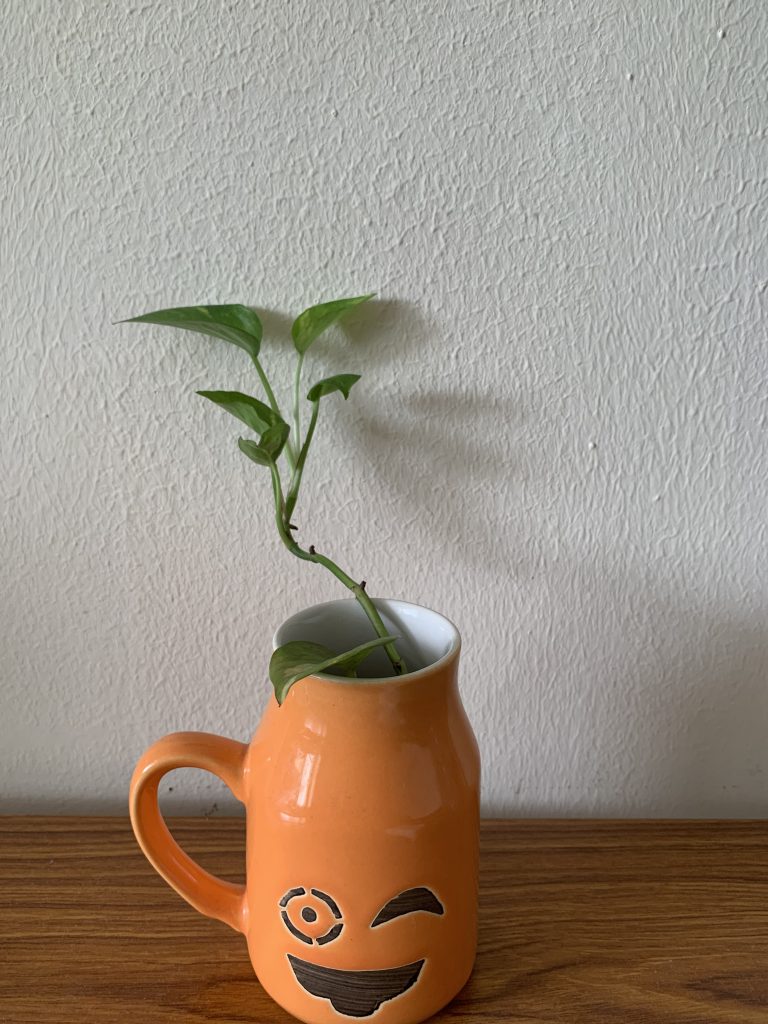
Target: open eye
[
  {"x": 409, "y": 902},
  {"x": 311, "y": 915}
]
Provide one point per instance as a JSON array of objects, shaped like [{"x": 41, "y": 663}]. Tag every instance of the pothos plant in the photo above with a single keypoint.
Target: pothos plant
[{"x": 282, "y": 449}]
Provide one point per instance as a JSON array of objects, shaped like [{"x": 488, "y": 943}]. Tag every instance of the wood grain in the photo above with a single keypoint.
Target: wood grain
[{"x": 589, "y": 922}]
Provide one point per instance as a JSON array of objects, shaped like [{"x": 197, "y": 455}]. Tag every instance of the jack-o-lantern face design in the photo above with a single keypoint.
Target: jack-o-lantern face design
[{"x": 314, "y": 917}]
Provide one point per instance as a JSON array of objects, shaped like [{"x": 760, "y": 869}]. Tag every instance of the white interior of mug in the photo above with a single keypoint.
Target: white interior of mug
[{"x": 424, "y": 636}]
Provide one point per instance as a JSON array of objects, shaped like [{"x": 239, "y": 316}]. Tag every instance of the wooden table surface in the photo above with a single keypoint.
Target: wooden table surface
[{"x": 607, "y": 921}]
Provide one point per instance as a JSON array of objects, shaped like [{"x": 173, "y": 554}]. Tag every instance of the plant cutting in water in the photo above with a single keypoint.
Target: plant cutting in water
[{"x": 283, "y": 450}]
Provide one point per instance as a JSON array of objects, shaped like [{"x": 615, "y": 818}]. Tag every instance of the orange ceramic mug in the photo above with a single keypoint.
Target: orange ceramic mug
[{"x": 361, "y": 801}]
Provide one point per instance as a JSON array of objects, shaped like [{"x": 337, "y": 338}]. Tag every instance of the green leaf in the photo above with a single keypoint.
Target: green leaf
[
  {"x": 273, "y": 440},
  {"x": 236, "y": 324},
  {"x": 270, "y": 445},
  {"x": 250, "y": 411},
  {"x": 254, "y": 451},
  {"x": 309, "y": 325},
  {"x": 299, "y": 658},
  {"x": 341, "y": 382}
]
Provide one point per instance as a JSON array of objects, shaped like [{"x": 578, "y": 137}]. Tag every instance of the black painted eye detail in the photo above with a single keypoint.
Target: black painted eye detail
[
  {"x": 409, "y": 902},
  {"x": 311, "y": 916}
]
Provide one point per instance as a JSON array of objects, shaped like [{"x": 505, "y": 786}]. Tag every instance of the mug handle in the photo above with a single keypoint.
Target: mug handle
[{"x": 223, "y": 757}]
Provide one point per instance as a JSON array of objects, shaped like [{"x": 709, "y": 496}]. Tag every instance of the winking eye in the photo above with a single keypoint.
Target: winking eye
[{"x": 409, "y": 902}]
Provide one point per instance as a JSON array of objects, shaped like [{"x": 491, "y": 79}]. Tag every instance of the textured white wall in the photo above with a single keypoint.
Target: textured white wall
[{"x": 560, "y": 436}]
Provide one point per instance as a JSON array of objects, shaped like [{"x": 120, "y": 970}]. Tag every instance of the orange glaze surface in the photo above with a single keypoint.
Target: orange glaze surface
[{"x": 362, "y": 810}]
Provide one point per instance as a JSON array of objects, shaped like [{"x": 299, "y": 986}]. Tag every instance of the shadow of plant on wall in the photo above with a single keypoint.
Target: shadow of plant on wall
[
  {"x": 446, "y": 458},
  {"x": 378, "y": 331},
  {"x": 452, "y": 442}
]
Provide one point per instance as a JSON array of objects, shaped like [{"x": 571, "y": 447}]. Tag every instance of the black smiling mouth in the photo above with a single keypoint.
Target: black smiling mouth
[{"x": 355, "y": 993}]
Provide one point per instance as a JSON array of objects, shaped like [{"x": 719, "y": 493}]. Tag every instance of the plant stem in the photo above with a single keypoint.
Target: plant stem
[
  {"x": 293, "y": 487},
  {"x": 266, "y": 385},
  {"x": 296, "y": 409},
  {"x": 282, "y": 519},
  {"x": 291, "y": 455}
]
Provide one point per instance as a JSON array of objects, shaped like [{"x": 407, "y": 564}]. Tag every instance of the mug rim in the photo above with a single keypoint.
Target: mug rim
[{"x": 382, "y": 603}]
